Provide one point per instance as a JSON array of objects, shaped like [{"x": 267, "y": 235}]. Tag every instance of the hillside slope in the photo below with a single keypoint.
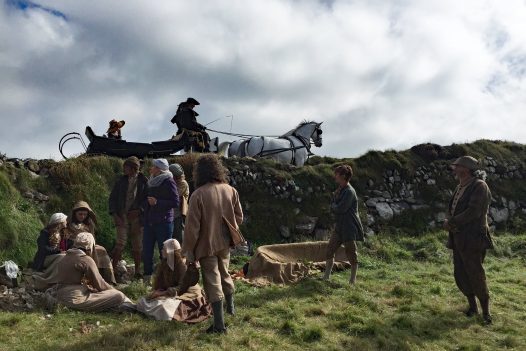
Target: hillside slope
[{"x": 404, "y": 191}]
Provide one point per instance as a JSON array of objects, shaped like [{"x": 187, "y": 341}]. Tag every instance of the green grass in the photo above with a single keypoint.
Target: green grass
[{"x": 405, "y": 299}]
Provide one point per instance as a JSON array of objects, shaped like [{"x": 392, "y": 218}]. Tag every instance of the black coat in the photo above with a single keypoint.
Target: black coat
[
  {"x": 117, "y": 200},
  {"x": 185, "y": 118},
  {"x": 345, "y": 208},
  {"x": 44, "y": 250}
]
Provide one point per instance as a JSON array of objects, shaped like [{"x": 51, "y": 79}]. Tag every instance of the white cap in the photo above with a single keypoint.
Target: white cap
[
  {"x": 161, "y": 163},
  {"x": 57, "y": 218}
]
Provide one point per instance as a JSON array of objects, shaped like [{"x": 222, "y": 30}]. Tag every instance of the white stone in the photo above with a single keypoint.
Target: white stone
[
  {"x": 441, "y": 216},
  {"x": 284, "y": 231},
  {"x": 499, "y": 215},
  {"x": 384, "y": 210},
  {"x": 370, "y": 219},
  {"x": 399, "y": 207},
  {"x": 372, "y": 202}
]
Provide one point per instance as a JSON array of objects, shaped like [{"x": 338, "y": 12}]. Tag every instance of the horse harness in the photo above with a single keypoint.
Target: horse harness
[{"x": 264, "y": 153}]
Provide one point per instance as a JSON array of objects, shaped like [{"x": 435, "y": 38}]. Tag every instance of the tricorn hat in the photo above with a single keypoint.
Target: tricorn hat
[
  {"x": 192, "y": 101},
  {"x": 467, "y": 162}
]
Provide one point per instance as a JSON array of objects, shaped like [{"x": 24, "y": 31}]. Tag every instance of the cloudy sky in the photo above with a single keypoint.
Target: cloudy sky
[{"x": 380, "y": 74}]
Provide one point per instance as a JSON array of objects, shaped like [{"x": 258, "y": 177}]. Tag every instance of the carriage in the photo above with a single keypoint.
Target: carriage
[
  {"x": 293, "y": 147},
  {"x": 101, "y": 145}
]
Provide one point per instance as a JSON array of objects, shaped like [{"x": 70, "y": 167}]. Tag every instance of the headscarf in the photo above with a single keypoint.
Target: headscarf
[
  {"x": 83, "y": 205},
  {"x": 176, "y": 170},
  {"x": 169, "y": 248},
  {"x": 57, "y": 218},
  {"x": 161, "y": 163},
  {"x": 84, "y": 241}
]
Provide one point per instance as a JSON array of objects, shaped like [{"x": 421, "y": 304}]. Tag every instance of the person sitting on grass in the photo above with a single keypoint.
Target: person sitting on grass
[
  {"x": 348, "y": 229},
  {"x": 172, "y": 298},
  {"x": 49, "y": 253},
  {"x": 83, "y": 219},
  {"x": 80, "y": 285}
]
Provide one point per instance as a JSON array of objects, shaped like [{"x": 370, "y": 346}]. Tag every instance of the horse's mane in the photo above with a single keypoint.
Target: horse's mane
[{"x": 301, "y": 124}]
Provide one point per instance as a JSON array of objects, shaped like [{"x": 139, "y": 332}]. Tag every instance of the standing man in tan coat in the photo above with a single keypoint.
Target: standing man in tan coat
[
  {"x": 469, "y": 234},
  {"x": 212, "y": 227}
]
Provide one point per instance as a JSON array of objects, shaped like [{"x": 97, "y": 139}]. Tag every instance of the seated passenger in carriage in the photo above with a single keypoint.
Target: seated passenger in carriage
[
  {"x": 114, "y": 131},
  {"x": 185, "y": 119}
]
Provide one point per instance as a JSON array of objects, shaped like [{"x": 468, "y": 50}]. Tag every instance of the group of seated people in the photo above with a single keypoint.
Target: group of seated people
[{"x": 78, "y": 273}]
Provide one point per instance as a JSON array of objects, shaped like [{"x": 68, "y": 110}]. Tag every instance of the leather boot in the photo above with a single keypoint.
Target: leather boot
[
  {"x": 472, "y": 310},
  {"x": 219, "y": 319},
  {"x": 354, "y": 269},
  {"x": 484, "y": 303},
  {"x": 116, "y": 256},
  {"x": 328, "y": 268},
  {"x": 230, "y": 309},
  {"x": 137, "y": 261}
]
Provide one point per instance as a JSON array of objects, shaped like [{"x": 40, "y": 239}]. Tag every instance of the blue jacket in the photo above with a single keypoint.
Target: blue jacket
[{"x": 167, "y": 199}]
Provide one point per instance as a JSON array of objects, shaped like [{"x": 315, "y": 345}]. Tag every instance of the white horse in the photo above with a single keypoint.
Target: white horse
[{"x": 292, "y": 147}]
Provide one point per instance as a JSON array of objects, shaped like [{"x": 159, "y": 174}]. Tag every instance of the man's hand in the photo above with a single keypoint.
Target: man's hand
[
  {"x": 133, "y": 214},
  {"x": 155, "y": 294},
  {"x": 152, "y": 201},
  {"x": 117, "y": 220},
  {"x": 446, "y": 225}
]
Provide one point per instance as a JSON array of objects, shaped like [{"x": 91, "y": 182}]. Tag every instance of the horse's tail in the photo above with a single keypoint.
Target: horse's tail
[{"x": 222, "y": 150}]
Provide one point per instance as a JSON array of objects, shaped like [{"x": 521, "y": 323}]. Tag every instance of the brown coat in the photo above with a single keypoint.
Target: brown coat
[
  {"x": 75, "y": 272},
  {"x": 184, "y": 193},
  {"x": 470, "y": 220},
  {"x": 165, "y": 278},
  {"x": 213, "y": 214},
  {"x": 76, "y": 266}
]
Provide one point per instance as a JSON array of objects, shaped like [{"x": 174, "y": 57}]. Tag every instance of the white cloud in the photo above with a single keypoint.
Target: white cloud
[{"x": 380, "y": 74}]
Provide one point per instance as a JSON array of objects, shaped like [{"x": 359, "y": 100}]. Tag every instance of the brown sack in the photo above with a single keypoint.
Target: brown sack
[
  {"x": 235, "y": 234},
  {"x": 288, "y": 263}
]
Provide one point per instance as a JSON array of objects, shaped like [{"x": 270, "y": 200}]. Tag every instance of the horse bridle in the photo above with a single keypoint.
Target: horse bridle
[{"x": 306, "y": 141}]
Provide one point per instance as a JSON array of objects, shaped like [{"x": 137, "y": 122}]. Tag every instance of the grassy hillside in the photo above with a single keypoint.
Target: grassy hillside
[
  {"x": 405, "y": 299},
  {"x": 308, "y": 189}
]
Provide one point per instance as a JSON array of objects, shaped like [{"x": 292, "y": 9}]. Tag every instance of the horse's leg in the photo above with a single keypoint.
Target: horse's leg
[{"x": 301, "y": 157}]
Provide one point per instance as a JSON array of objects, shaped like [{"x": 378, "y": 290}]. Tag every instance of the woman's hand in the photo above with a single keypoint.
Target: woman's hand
[
  {"x": 157, "y": 293},
  {"x": 152, "y": 201}
]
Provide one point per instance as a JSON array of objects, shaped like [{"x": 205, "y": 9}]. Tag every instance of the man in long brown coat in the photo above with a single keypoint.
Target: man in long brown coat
[
  {"x": 212, "y": 226},
  {"x": 469, "y": 234}
]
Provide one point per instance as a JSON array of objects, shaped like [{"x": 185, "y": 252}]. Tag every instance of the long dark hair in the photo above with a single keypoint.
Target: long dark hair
[{"x": 209, "y": 169}]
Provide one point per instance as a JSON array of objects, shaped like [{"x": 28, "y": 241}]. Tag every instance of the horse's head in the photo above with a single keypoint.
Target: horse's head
[
  {"x": 316, "y": 135},
  {"x": 308, "y": 131}
]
